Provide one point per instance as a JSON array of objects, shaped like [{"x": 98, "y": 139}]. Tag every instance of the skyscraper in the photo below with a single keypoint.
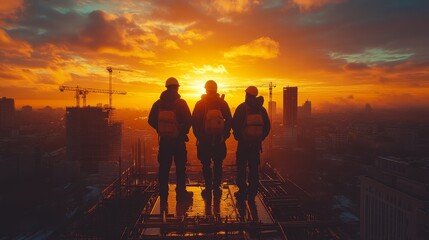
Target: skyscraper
[
  {"x": 304, "y": 111},
  {"x": 290, "y": 105},
  {"x": 7, "y": 115}
]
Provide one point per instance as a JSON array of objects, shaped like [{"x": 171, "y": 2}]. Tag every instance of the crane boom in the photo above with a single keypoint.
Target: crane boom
[
  {"x": 84, "y": 91},
  {"x": 93, "y": 90},
  {"x": 110, "y": 69}
]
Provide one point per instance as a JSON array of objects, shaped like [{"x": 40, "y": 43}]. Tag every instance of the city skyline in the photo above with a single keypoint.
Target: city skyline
[{"x": 340, "y": 53}]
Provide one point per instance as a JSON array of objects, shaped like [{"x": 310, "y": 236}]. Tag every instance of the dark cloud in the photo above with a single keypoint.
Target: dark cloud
[
  {"x": 41, "y": 22},
  {"x": 178, "y": 11},
  {"x": 362, "y": 24},
  {"x": 100, "y": 32}
]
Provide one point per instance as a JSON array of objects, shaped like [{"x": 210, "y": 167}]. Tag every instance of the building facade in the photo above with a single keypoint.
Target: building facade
[
  {"x": 7, "y": 116},
  {"x": 394, "y": 201}
]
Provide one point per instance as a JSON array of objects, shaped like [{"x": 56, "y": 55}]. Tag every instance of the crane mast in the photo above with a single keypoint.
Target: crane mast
[{"x": 110, "y": 70}]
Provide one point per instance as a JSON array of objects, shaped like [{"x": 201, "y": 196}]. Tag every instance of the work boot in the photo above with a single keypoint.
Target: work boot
[
  {"x": 183, "y": 196},
  {"x": 206, "y": 193}
]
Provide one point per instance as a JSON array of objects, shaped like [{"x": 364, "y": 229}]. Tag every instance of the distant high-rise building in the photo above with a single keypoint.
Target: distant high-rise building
[
  {"x": 7, "y": 115},
  {"x": 304, "y": 111},
  {"x": 91, "y": 139},
  {"x": 272, "y": 105},
  {"x": 394, "y": 200},
  {"x": 290, "y": 105},
  {"x": 368, "y": 108}
]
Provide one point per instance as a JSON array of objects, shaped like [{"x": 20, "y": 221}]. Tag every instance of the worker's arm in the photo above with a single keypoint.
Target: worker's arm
[{"x": 153, "y": 116}]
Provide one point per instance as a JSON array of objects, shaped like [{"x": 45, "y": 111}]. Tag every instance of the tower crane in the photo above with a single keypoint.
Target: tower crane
[
  {"x": 110, "y": 70},
  {"x": 84, "y": 91}
]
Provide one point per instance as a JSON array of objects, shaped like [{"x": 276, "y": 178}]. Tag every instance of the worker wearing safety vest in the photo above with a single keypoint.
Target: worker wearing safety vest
[
  {"x": 251, "y": 126},
  {"x": 211, "y": 123},
  {"x": 171, "y": 117}
]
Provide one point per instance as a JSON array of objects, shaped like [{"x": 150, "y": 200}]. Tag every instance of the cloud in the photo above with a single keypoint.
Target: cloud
[
  {"x": 355, "y": 66},
  {"x": 100, "y": 32},
  {"x": 225, "y": 20},
  {"x": 230, "y": 6},
  {"x": 264, "y": 47},
  {"x": 7, "y": 8},
  {"x": 375, "y": 55},
  {"x": 170, "y": 44},
  {"x": 219, "y": 69},
  {"x": 310, "y": 4},
  {"x": 181, "y": 30},
  {"x": 11, "y": 47},
  {"x": 66, "y": 24},
  {"x": 190, "y": 36},
  {"x": 171, "y": 28}
]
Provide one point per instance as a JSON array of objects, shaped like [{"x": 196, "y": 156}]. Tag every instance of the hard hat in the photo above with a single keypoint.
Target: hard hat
[
  {"x": 252, "y": 90},
  {"x": 171, "y": 82},
  {"x": 211, "y": 85}
]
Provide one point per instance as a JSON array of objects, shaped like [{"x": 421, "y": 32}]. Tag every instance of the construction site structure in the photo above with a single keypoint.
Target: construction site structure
[
  {"x": 92, "y": 139},
  {"x": 110, "y": 70},
  {"x": 82, "y": 92}
]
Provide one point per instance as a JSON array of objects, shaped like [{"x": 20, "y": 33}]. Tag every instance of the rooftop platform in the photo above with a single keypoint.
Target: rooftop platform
[{"x": 222, "y": 217}]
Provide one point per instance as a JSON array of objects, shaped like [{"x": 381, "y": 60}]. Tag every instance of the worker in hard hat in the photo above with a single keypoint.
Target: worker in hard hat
[
  {"x": 251, "y": 126},
  {"x": 171, "y": 117},
  {"x": 211, "y": 124}
]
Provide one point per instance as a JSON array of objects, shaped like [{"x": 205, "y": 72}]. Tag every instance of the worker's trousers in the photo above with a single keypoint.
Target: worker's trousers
[
  {"x": 248, "y": 154},
  {"x": 169, "y": 150}
]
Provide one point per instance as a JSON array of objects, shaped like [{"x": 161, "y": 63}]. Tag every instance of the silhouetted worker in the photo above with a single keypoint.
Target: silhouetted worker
[
  {"x": 171, "y": 117},
  {"x": 211, "y": 123},
  {"x": 251, "y": 126}
]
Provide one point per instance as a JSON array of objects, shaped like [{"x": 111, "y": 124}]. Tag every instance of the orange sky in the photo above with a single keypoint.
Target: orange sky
[{"x": 340, "y": 53}]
